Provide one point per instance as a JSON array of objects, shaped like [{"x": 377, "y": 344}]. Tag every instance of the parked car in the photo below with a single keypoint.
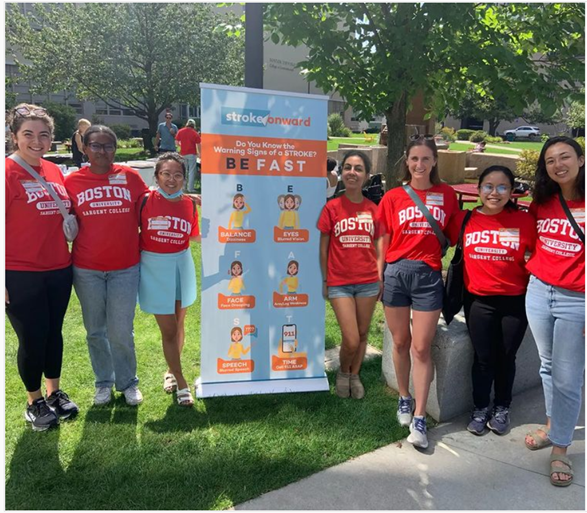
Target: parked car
[{"x": 523, "y": 132}]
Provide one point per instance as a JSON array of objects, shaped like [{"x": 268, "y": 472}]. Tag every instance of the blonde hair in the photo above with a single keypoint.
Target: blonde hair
[{"x": 84, "y": 121}]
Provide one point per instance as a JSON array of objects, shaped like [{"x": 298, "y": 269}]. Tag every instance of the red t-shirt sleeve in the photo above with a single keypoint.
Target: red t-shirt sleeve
[
  {"x": 325, "y": 221},
  {"x": 195, "y": 221},
  {"x": 453, "y": 228},
  {"x": 384, "y": 215},
  {"x": 198, "y": 138}
]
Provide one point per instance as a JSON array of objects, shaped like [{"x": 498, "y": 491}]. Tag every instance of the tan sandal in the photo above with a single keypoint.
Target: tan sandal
[
  {"x": 169, "y": 383},
  {"x": 540, "y": 442},
  {"x": 184, "y": 397},
  {"x": 555, "y": 469}
]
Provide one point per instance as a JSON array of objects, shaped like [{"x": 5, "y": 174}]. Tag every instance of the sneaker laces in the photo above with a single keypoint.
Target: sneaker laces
[
  {"x": 405, "y": 406},
  {"x": 420, "y": 425},
  {"x": 479, "y": 414},
  {"x": 43, "y": 409},
  {"x": 62, "y": 397},
  {"x": 500, "y": 414}
]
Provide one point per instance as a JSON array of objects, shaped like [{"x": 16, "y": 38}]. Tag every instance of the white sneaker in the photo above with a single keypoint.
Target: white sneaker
[
  {"x": 405, "y": 409},
  {"x": 102, "y": 395},
  {"x": 418, "y": 435},
  {"x": 133, "y": 396}
]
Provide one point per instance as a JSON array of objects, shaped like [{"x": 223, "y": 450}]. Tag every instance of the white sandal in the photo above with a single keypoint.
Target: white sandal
[
  {"x": 184, "y": 397},
  {"x": 169, "y": 383}
]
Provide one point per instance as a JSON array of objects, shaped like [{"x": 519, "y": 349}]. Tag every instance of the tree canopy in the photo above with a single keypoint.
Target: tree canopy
[
  {"x": 378, "y": 56},
  {"x": 137, "y": 56}
]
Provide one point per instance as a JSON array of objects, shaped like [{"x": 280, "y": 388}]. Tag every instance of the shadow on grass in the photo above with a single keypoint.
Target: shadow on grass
[{"x": 222, "y": 452}]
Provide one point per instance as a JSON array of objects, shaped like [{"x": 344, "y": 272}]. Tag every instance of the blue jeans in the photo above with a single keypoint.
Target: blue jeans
[
  {"x": 190, "y": 163},
  {"x": 557, "y": 320},
  {"x": 108, "y": 301}
]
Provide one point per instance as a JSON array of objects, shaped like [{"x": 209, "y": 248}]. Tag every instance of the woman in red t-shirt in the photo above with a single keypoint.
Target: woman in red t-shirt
[
  {"x": 38, "y": 266},
  {"x": 495, "y": 240},
  {"x": 169, "y": 220},
  {"x": 106, "y": 262},
  {"x": 410, "y": 261},
  {"x": 555, "y": 301},
  {"x": 348, "y": 258}
]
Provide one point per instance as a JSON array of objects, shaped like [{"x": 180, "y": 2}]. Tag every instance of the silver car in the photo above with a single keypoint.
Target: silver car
[{"x": 523, "y": 132}]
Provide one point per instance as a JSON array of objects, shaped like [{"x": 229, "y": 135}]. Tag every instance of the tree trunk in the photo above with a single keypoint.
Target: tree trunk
[
  {"x": 396, "y": 141},
  {"x": 153, "y": 118},
  {"x": 493, "y": 123}
]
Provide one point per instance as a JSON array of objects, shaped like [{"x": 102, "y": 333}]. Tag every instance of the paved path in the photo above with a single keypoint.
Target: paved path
[{"x": 457, "y": 471}]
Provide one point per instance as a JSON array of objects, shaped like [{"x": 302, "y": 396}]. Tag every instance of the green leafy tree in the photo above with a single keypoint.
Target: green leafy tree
[
  {"x": 575, "y": 117},
  {"x": 65, "y": 119},
  {"x": 378, "y": 56},
  {"x": 135, "y": 56}
]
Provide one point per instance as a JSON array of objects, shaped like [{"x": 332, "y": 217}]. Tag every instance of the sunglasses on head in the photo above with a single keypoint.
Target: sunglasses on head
[
  {"x": 25, "y": 111},
  {"x": 417, "y": 137}
]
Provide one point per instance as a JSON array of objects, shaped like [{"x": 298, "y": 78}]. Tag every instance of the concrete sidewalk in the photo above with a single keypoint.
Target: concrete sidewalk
[{"x": 457, "y": 471}]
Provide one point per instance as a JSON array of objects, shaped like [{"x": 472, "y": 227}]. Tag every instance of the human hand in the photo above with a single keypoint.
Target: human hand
[{"x": 324, "y": 290}]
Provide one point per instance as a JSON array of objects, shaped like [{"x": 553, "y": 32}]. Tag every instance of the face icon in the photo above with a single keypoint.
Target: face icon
[
  {"x": 236, "y": 269},
  {"x": 238, "y": 202},
  {"x": 281, "y": 202},
  {"x": 298, "y": 202},
  {"x": 290, "y": 203},
  {"x": 495, "y": 191},
  {"x": 292, "y": 268},
  {"x": 236, "y": 335}
]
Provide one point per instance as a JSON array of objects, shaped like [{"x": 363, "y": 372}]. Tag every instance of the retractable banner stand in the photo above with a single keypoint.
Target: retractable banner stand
[{"x": 263, "y": 188}]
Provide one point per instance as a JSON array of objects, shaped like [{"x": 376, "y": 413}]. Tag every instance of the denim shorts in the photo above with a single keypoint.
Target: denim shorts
[
  {"x": 413, "y": 283},
  {"x": 361, "y": 290}
]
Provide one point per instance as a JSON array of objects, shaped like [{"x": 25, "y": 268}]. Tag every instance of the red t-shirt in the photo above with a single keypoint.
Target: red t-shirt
[
  {"x": 494, "y": 248},
  {"x": 559, "y": 257},
  {"x": 412, "y": 236},
  {"x": 188, "y": 138},
  {"x": 352, "y": 228},
  {"x": 34, "y": 225},
  {"x": 166, "y": 226},
  {"x": 105, "y": 206}
]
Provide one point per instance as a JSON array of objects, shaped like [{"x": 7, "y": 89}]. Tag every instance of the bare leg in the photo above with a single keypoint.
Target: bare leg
[
  {"x": 33, "y": 396},
  {"x": 345, "y": 311},
  {"x": 423, "y": 331},
  {"x": 398, "y": 321},
  {"x": 169, "y": 333},
  {"x": 365, "y": 308}
]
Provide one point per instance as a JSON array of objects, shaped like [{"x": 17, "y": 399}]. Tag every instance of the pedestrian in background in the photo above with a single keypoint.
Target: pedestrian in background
[
  {"x": 78, "y": 155},
  {"x": 189, "y": 148},
  {"x": 166, "y": 132}
]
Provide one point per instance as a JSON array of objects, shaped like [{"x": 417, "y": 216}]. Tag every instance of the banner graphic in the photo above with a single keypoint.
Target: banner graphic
[{"x": 263, "y": 184}]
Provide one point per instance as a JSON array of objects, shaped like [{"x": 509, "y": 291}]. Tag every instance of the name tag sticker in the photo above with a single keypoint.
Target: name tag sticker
[
  {"x": 578, "y": 214},
  {"x": 435, "y": 199},
  {"x": 510, "y": 235},
  {"x": 364, "y": 216},
  {"x": 118, "y": 179},
  {"x": 158, "y": 223}
]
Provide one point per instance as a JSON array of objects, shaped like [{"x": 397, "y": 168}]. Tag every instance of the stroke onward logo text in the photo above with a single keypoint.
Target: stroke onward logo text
[{"x": 259, "y": 118}]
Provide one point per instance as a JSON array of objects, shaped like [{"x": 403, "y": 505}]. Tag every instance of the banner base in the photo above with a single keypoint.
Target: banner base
[{"x": 279, "y": 386}]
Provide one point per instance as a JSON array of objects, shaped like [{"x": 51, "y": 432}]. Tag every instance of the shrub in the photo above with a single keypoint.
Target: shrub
[
  {"x": 491, "y": 140},
  {"x": 478, "y": 136},
  {"x": 337, "y": 127},
  {"x": 65, "y": 119},
  {"x": 527, "y": 164},
  {"x": 448, "y": 134},
  {"x": 544, "y": 137},
  {"x": 122, "y": 131},
  {"x": 581, "y": 141},
  {"x": 464, "y": 133},
  {"x": 130, "y": 143}
]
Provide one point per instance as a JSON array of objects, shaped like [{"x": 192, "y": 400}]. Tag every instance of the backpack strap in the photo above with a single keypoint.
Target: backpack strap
[
  {"x": 570, "y": 217},
  {"x": 143, "y": 203}
]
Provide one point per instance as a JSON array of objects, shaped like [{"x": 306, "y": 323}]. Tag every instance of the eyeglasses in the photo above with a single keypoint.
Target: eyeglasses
[
  {"x": 167, "y": 176},
  {"x": 37, "y": 111},
  {"x": 416, "y": 137},
  {"x": 108, "y": 147},
  {"x": 487, "y": 188}
]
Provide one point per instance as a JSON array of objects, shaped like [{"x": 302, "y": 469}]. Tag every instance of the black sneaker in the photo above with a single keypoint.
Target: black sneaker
[
  {"x": 40, "y": 415},
  {"x": 59, "y": 402},
  {"x": 500, "y": 420}
]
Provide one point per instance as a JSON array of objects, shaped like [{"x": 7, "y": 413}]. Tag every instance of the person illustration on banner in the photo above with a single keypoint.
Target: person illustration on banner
[
  {"x": 289, "y": 218},
  {"x": 237, "y": 350},
  {"x": 241, "y": 208},
  {"x": 291, "y": 281},
  {"x": 281, "y": 201},
  {"x": 298, "y": 201},
  {"x": 236, "y": 283}
]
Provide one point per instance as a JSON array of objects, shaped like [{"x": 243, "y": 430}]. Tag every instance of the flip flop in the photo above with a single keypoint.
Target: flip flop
[
  {"x": 169, "y": 383},
  {"x": 184, "y": 397},
  {"x": 560, "y": 470},
  {"x": 539, "y": 441}
]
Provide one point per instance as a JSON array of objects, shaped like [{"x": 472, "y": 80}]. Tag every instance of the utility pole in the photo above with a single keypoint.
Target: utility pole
[{"x": 254, "y": 45}]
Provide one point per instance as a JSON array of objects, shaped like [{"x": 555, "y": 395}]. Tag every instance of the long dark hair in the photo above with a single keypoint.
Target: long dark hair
[
  {"x": 544, "y": 186},
  {"x": 357, "y": 153},
  {"x": 509, "y": 175},
  {"x": 431, "y": 145}
]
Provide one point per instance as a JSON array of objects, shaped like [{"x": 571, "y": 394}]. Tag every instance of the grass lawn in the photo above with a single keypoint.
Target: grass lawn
[
  {"x": 459, "y": 146},
  {"x": 158, "y": 456}
]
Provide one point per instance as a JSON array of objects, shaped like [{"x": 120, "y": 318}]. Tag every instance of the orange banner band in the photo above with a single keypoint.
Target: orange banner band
[
  {"x": 288, "y": 364},
  {"x": 235, "y": 302},
  {"x": 289, "y": 300},
  {"x": 280, "y": 235},
  {"x": 234, "y": 366},
  {"x": 243, "y": 236}
]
